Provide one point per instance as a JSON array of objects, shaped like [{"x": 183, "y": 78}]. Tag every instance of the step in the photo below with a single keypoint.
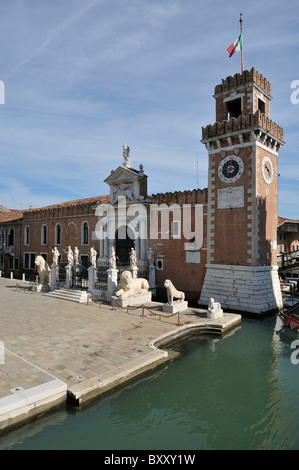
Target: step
[{"x": 72, "y": 295}]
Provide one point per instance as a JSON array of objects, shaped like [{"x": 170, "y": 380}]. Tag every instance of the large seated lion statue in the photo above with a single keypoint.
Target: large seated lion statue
[
  {"x": 130, "y": 286},
  {"x": 173, "y": 293},
  {"x": 43, "y": 270}
]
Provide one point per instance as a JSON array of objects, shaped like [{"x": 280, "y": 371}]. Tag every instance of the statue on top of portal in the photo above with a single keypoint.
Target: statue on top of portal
[{"x": 126, "y": 155}]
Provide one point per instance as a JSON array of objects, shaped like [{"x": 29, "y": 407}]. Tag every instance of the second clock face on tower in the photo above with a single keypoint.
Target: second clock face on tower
[
  {"x": 230, "y": 169},
  {"x": 267, "y": 170}
]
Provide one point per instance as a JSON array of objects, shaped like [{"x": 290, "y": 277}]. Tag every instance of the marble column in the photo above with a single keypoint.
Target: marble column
[
  {"x": 54, "y": 276},
  {"x": 134, "y": 271},
  {"x": 68, "y": 276},
  {"x": 112, "y": 280},
  {"x": 91, "y": 278},
  {"x": 152, "y": 279}
]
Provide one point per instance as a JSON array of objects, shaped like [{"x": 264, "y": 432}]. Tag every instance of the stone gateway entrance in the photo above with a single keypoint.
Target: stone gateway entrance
[{"x": 124, "y": 241}]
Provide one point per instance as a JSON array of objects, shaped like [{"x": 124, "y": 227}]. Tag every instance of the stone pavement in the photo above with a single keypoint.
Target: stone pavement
[{"x": 54, "y": 348}]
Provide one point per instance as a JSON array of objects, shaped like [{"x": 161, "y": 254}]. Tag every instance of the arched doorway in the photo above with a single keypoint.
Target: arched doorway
[{"x": 124, "y": 241}]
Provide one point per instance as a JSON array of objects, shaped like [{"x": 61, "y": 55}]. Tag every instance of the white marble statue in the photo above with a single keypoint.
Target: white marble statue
[
  {"x": 173, "y": 293},
  {"x": 151, "y": 257},
  {"x": 70, "y": 256},
  {"x": 214, "y": 309},
  {"x": 76, "y": 255},
  {"x": 112, "y": 259},
  {"x": 44, "y": 271},
  {"x": 93, "y": 257},
  {"x": 126, "y": 155},
  {"x": 55, "y": 255},
  {"x": 133, "y": 258},
  {"x": 130, "y": 286}
]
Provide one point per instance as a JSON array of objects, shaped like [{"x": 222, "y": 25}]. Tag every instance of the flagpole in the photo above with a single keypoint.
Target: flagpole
[{"x": 241, "y": 27}]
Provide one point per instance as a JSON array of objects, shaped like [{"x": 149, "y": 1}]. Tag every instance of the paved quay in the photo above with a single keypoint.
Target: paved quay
[{"x": 53, "y": 350}]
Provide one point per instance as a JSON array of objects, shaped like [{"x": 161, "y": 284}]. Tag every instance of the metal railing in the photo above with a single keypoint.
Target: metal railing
[{"x": 151, "y": 310}]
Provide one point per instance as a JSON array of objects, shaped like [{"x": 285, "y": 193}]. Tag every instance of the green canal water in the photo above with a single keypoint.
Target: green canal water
[{"x": 239, "y": 391}]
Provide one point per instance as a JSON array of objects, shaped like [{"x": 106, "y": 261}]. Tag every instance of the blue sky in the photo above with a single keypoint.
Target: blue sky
[{"x": 84, "y": 76}]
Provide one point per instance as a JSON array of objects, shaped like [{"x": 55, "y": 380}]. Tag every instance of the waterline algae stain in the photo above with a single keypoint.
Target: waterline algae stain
[{"x": 239, "y": 391}]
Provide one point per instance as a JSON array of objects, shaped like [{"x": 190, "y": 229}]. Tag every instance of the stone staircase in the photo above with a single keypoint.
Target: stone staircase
[{"x": 73, "y": 295}]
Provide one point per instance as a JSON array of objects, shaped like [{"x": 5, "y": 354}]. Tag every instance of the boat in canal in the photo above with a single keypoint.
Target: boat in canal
[{"x": 290, "y": 317}]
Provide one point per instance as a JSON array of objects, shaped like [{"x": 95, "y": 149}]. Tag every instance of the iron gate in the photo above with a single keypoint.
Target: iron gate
[{"x": 80, "y": 276}]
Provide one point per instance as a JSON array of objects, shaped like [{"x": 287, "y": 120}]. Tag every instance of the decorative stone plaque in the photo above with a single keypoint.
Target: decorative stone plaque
[{"x": 231, "y": 197}]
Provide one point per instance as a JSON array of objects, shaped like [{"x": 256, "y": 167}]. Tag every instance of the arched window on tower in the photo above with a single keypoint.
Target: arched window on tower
[
  {"x": 57, "y": 234},
  {"x": 84, "y": 233},
  {"x": 44, "y": 233}
]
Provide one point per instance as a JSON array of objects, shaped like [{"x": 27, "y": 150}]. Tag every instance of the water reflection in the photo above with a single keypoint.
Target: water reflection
[{"x": 233, "y": 392}]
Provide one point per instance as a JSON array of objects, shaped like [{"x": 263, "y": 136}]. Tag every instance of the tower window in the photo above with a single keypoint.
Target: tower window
[
  {"x": 261, "y": 106},
  {"x": 234, "y": 108}
]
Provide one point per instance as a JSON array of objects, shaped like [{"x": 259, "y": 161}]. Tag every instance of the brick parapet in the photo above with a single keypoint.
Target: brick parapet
[
  {"x": 196, "y": 196},
  {"x": 243, "y": 79},
  {"x": 243, "y": 122}
]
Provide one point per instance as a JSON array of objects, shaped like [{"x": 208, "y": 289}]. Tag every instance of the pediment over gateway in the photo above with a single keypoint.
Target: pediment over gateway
[{"x": 126, "y": 181}]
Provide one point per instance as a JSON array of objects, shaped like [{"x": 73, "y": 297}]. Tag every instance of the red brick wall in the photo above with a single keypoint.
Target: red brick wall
[{"x": 187, "y": 277}]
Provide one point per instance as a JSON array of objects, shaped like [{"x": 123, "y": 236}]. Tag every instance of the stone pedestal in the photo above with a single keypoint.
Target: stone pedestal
[
  {"x": 133, "y": 300},
  {"x": 252, "y": 289},
  {"x": 54, "y": 276},
  {"x": 175, "y": 307},
  {"x": 134, "y": 272},
  {"x": 112, "y": 280},
  {"x": 91, "y": 278},
  {"x": 68, "y": 276},
  {"x": 152, "y": 279}
]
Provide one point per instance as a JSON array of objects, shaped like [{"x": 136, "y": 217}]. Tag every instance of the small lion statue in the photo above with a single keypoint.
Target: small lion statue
[
  {"x": 130, "y": 286},
  {"x": 214, "y": 309},
  {"x": 43, "y": 270},
  {"x": 173, "y": 293}
]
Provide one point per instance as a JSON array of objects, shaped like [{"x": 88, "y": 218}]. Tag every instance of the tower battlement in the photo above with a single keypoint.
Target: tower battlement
[
  {"x": 241, "y": 79},
  {"x": 242, "y": 123}
]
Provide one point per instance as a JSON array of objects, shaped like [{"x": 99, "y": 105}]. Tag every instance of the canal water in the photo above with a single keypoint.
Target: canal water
[{"x": 237, "y": 391}]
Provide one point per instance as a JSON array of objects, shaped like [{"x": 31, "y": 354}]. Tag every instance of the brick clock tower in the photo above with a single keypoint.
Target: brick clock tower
[{"x": 243, "y": 146}]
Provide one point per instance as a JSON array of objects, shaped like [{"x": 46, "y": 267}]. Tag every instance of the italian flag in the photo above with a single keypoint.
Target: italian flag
[{"x": 235, "y": 46}]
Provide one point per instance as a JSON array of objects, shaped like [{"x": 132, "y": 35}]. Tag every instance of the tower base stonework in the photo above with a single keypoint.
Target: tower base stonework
[{"x": 246, "y": 289}]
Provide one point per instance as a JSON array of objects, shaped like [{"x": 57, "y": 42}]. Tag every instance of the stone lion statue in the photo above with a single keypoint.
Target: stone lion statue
[
  {"x": 130, "y": 286},
  {"x": 43, "y": 270},
  {"x": 173, "y": 293},
  {"x": 214, "y": 309}
]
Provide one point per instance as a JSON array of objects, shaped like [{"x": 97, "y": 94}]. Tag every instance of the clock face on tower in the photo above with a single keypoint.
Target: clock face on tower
[
  {"x": 230, "y": 169},
  {"x": 267, "y": 170}
]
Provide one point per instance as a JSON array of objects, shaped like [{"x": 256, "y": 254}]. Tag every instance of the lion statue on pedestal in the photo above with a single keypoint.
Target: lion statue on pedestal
[
  {"x": 130, "y": 286},
  {"x": 43, "y": 270},
  {"x": 173, "y": 293}
]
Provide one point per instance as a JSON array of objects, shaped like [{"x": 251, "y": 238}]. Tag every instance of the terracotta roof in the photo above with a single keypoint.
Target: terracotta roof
[
  {"x": 89, "y": 200},
  {"x": 10, "y": 215},
  {"x": 282, "y": 220}
]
